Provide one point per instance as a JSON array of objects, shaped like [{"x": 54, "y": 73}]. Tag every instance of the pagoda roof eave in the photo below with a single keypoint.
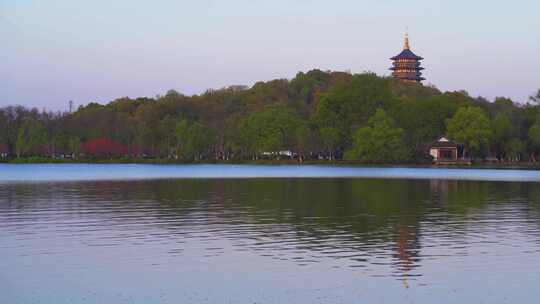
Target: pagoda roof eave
[
  {"x": 403, "y": 57},
  {"x": 406, "y": 54},
  {"x": 400, "y": 68}
]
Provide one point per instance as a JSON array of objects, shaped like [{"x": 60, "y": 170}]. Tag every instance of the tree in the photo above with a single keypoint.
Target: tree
[
  {"x": 379, "y": 142},
  {"x": 317, "y": 112},
  {"x": 348, "y": 105},
  {"x": 423, "y": 119},
  {"x": 11, "y": 120},
  {"x": 181, "y": 133},
  {"x": 271, "y": 130},
  {"x": 198, "y": 142},
  {"x": 66, "y": 144},
  {"x": 302, "y": 140},
  {"x": 167, "y": 130},
  {"x": 193, "y": 140},
  {"x": 74, "y": 146},
  {"x": 103, "y": 147},
  {"x": 502, "y": 130},
  {"x": 330, "y": 138},
  {"x": 307, "y": 84},
  {"x": 536, "y": 98},
  {"x": 514, "y": 149},
  {"x": 471, "y": 127},
  {"x": 31, "y": 138},
  {"x": 534, "y": 138}
]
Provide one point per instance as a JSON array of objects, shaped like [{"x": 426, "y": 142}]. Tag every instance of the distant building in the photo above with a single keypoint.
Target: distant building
[
  {"x": 406, "y": 65},
  {"x": 444, "y": 151},
  {"x": 285, "y": 153}
]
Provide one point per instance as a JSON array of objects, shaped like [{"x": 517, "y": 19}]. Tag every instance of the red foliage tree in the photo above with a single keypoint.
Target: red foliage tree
[
  {"x": 103, "y": 147},
  {"x": 4, "y": 149}
]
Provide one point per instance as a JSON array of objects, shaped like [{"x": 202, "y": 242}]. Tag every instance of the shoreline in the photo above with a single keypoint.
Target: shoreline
[{"x": 518, "y": 165}]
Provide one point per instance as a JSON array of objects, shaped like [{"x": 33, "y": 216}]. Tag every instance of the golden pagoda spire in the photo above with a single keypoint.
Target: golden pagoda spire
[{"x": 406, "y": 44}]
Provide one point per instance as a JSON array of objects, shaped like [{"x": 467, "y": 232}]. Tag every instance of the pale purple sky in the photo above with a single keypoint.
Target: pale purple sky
[{"x": 53, "y": 51}]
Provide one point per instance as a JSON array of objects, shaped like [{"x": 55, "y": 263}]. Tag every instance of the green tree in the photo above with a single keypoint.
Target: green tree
[
  {"x": 67, "y": 144},
  {"x": 330, "y": 138},
  {"x": 514, "y": 149},
  {"x": 470, "y": 126},
  {"x": 167, "y": 128},
  {"x": 181, "y": 133},
  {"x": 302, "y": 140},
  {"x": 271, "y": 130},
  {"x": 348, "y": 105},
  {"x": 534, "y": 139},
  {"x": 379, "y": 142},
  {"x": 423, "y": 119},
  {"x": 198, "y": 143},
  {"x": 194, "y": 140},
  {"x": 74, "y": 146},
  {"x": 502, "y": 131},
  {"x": 4, "y": 124},
  {"x": 31, "y": 138}
]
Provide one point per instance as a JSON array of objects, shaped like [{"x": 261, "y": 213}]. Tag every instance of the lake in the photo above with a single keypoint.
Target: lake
[{"x": 267, "y": 234}]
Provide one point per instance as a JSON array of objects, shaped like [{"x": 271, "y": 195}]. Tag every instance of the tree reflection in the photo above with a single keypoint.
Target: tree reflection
[{"x": 358, "y": 221}]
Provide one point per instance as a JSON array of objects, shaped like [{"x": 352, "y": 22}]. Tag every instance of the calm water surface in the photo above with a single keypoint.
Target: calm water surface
[{"x": 266, "y": 240}]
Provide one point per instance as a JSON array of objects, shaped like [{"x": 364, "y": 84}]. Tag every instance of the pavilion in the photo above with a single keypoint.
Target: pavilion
[{"x": 444, "y": 151}]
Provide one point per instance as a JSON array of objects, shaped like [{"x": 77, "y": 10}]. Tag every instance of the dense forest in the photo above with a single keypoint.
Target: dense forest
[{"x": 315, "y": 116}]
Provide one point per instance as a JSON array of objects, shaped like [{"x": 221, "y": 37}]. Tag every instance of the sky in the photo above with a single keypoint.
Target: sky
[{"x": 53, "y": 51}]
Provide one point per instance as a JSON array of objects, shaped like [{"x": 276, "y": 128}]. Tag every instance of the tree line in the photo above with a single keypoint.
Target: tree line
[{"x": 315, "y": 116}]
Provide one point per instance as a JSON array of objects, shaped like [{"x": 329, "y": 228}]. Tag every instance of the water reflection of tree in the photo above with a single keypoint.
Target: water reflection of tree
[
  {"x": 360, "y": 220},
  {"x": 459, "y": 197}
]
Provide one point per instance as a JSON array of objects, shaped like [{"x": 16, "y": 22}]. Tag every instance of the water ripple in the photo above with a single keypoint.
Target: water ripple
[{"x": 280, "y": 231}]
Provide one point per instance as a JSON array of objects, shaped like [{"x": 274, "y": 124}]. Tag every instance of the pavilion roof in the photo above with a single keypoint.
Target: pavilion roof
[{"x": 444, "y": 143}]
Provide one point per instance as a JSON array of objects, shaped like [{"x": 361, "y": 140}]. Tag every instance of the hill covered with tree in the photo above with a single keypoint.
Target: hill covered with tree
[{"x": 316, "y": 115}]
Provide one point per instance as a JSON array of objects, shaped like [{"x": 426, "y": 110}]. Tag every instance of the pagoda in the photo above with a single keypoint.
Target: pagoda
[{"x": 406, "y": 65}]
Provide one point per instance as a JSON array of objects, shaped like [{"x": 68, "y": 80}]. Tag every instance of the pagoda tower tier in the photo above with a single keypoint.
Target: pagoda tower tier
[{"x": 406, "y": 65}]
